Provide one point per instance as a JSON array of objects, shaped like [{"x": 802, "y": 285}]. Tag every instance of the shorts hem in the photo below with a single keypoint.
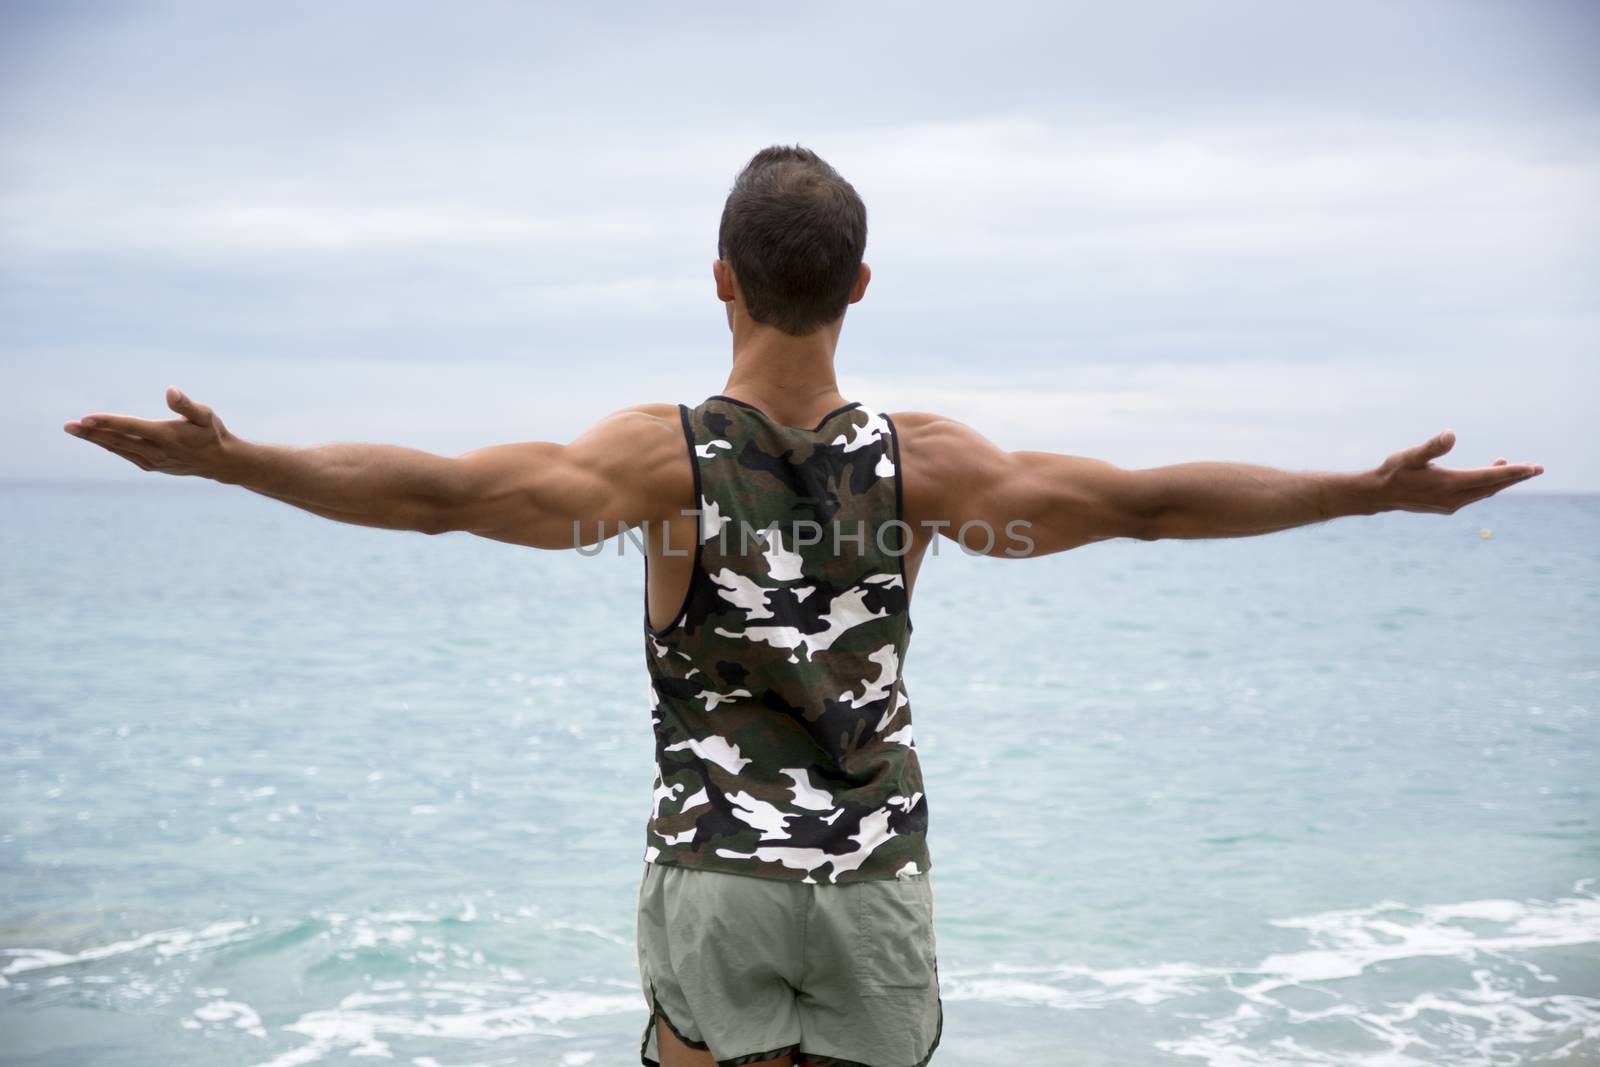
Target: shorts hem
[
  {"x": 757, "y": 1057},
  {"x": 650, "y": 1025},
  {"x": 817, "y": 1059},
  {"x": 736, "y": 1061}
]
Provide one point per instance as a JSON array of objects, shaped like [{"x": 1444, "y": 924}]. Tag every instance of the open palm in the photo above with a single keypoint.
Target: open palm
[{"x": 1413, "y": 482}]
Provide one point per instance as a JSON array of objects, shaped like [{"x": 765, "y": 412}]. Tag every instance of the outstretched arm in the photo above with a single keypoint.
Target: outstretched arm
[
  {"x": 621, "y": 472},
  {"x": 955, "y": 476}
]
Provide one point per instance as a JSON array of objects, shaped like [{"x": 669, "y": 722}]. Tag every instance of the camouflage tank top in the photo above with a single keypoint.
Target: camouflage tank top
[{"x": 782, "y": 728}]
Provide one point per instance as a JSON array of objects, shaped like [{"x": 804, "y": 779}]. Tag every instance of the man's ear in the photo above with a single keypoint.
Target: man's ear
[
  {"x": 723, "y": 273},
  {"x": 863, "y": 276}
]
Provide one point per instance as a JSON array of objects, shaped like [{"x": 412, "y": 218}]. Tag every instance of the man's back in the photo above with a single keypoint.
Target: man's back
[{"x": 783, "y": 732}]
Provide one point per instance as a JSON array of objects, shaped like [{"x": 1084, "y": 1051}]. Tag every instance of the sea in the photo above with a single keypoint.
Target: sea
[{"x": 276, "y": 791}]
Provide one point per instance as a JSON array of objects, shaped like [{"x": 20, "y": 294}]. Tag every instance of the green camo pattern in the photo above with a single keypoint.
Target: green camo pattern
[{"x": 783, "y": 732}]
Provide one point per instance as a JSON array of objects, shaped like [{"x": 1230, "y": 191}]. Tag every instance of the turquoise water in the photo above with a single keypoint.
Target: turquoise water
[{"x": 275, "y": 791}]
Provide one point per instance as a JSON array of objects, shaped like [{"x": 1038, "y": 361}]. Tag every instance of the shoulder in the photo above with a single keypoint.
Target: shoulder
[
  {"x": 938, "y": 441},
  {"x": 931, "y": 426},
  {"x": 942, "y": 461},
  {"x": 643, "y": 435},
  {"x": 668, "y": 412},
  {"x": 641, "y": 424},
  {"x": 644, "y": 419}
]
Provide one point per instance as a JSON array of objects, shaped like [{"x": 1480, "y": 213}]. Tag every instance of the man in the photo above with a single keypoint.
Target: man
[{"x": 785, "y": 914}]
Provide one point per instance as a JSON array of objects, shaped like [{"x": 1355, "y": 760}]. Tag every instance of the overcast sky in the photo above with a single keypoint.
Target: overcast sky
[{"x": 1298, "y": 234}]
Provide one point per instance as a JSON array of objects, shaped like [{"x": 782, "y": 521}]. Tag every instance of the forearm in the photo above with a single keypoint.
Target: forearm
[
  {"x": 386, "y": 486},
  {"x": 1211, "y": 500},
  {"x": 336, "y": 515}
]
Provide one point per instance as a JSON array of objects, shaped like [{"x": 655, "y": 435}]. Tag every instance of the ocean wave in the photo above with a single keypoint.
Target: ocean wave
[
  {"x": 443, "y": 988},
  {"x": 1396, "y": 985},
  {"x": 354, "y": 1028},
  {"x": 1478, "y": 983},
  {"x": 165, "y": 943}
]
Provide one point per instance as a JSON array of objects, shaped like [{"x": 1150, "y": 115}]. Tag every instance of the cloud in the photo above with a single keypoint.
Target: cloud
[{"x": 1056, "y": 196}]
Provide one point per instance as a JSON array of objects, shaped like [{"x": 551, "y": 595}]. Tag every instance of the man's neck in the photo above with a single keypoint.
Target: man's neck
[{"x": 790, "y": 378}]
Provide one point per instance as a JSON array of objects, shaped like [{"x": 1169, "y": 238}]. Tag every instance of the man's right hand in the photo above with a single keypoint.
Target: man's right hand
[{"x": 1410, "y": 481}]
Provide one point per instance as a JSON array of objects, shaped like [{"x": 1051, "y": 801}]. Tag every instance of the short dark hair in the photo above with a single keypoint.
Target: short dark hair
[{"x": 794, "y": 232}]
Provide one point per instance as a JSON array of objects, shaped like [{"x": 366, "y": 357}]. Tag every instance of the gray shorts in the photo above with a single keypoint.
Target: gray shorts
[{"x": 751, "y": 968}]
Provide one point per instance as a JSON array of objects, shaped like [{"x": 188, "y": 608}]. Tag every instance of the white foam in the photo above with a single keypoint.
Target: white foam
[
  {"x": 1495, "y": 1021},
  {"x": 240, "y": 1015},
  {"x": 166, "y": 943},
  {"x": 590, "y": 928},
  {"x": 355, "y": 1030}
]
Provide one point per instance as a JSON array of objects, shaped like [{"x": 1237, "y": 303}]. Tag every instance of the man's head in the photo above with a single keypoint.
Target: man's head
[{"x": 793, "y": 233}]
